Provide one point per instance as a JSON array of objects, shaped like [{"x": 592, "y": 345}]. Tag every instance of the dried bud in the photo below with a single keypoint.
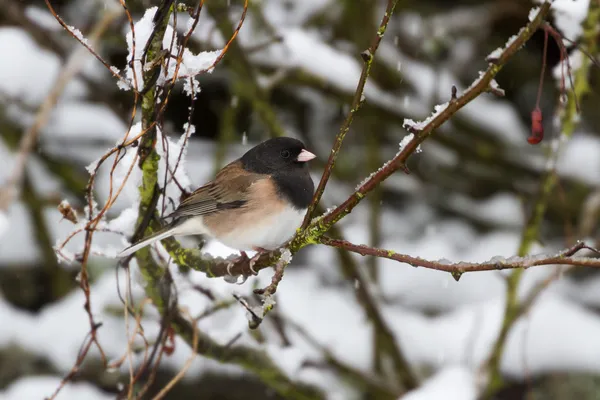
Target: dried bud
[
  {"x": 169, "y": 346},
  {"x": 67, "y": 211},
  {"x": 537, "y": 127}
]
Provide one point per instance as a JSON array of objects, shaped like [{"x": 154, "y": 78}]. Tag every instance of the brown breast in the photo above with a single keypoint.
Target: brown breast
[{"x": 263, "y": 203}]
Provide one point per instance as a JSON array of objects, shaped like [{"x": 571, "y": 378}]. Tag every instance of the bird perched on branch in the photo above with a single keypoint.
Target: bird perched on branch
[{"x": 254, "y": 203}]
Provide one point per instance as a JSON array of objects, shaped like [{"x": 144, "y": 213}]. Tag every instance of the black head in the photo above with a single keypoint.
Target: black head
[
  {"x": 277, "y": 155},
  {"x": 285, "y": 159}
]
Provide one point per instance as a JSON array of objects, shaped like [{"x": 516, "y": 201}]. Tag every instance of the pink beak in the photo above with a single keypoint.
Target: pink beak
[{"x": 305, "y": 156}]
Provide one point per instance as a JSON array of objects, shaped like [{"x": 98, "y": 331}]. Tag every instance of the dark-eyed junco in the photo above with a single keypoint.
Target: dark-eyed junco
[{"x": 254, "y": 203}]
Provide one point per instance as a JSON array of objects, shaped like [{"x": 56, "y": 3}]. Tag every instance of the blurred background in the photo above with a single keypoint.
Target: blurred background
[{"x": 292, "y": 71}]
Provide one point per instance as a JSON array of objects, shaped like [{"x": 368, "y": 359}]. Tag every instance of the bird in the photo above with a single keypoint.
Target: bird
[{"x": 254, "y": 203}]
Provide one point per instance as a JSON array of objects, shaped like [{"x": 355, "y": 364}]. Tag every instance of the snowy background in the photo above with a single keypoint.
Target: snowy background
[{"x": 467, "y": 198}]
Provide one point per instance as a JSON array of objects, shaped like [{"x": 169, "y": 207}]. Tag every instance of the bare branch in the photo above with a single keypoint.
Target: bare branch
[{"x": 566, "y": 257}]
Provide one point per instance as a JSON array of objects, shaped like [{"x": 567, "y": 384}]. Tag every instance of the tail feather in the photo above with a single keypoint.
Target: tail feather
[{"x": 162, "y": 234}]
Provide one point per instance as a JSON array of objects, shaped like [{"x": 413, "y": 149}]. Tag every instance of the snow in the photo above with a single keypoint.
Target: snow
[
  {"x": 40, "y": 387},
  {"x": 295, "y": 13},
  {"x": 569, "y": 15},
  {"x": 21, "y": 232},
  {"x": 77, "y": 33},
  {"x": 494, "y": 55},
  {"x": 438, "y": 109},
  {"x": 501, "y": 209},
  {"x": 406, "y": 140},
  {"x": 533, "y": 13},
  {"x": 42, "y": 18},
  {"x": 142, "y": 30},
  {"x": 4, "y": 225},
  {"x": 328, "y": 325},
  {"x": 585, "y": 292},
  {"x": 304, "y": 50},
  {"x": 579, "y": 159},
  {"x": 466, "y": 336},
  {"x": 68, "y": 118},
  {"x": 31, "y": 78},
  {"x": 192, "y": 64},
  {"x": 451, "y": 383},
  {"x": 494, "y": 85},
  {"x": 300, "y": 49}
]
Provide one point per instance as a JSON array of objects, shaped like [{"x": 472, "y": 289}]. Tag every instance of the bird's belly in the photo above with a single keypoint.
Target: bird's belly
[{"x": 269, "y": 232}]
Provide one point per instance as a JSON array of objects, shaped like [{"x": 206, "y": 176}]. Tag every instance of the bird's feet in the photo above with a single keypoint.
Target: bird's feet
[
  {"x": 243, "y": 258},
  {"x": 254, "y": 259}
]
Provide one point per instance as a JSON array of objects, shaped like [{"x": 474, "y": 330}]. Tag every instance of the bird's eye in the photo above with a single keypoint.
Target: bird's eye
[{"x": 285, "y": 154}]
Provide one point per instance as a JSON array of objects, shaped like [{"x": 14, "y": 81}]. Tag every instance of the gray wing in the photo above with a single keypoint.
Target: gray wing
[{"x": 228, "y": 190}]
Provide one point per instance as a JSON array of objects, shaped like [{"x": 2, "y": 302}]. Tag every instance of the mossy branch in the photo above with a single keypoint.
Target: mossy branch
[{"x": 253, "y": 360}]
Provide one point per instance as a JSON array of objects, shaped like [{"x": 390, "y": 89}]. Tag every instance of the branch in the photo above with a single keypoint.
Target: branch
[
  {"x": 421, "y": 131},
  {"x": 357, "y": 102},
  {"x": 566, "y": 257}
]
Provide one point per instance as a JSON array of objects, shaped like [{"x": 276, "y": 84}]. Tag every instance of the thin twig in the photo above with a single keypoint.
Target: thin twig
[
  {"x": 357, "y": 102},
  {"x": 186, "y": 366},
  {"x": 83, "y": 42}
]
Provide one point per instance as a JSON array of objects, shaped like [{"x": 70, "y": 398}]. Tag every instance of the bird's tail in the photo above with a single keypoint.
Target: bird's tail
[{"x": 163, "y": 233}]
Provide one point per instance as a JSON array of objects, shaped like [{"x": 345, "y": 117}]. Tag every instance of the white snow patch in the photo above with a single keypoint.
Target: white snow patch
[
  {"x": 40, "y": 387},
  {"x": 191, "y": 65},
  {"x": 569, "y": 15},
  {"x": 502, "y": 209},
  {"x": 77, "y": 33},
  {"x": 31, "y": 78},
  {"x": 580, "y": 159},
  {"x": 451, "y": 383},
  {"x": 76, "y": 120},
  {"x": 4, "y": 225},
  {"x": 42, "y": 18}
]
